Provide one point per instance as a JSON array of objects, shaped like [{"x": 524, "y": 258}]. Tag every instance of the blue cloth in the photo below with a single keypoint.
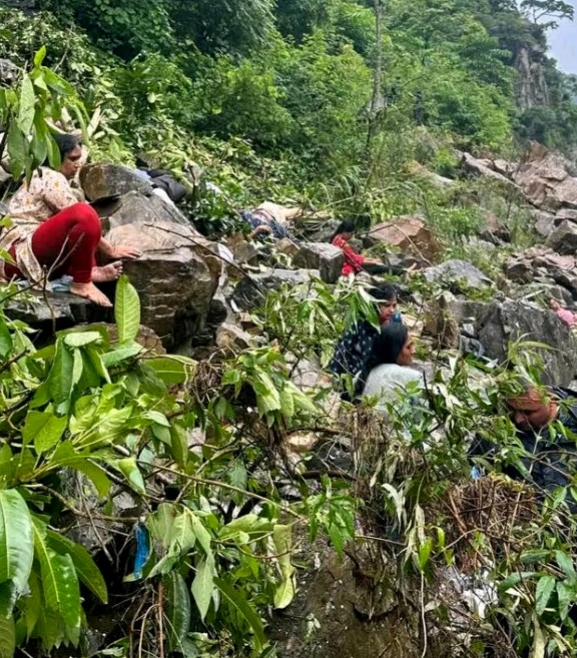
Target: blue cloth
[
  {"x": 254, "y": 221},
  {"x": 142, "y": 549}
]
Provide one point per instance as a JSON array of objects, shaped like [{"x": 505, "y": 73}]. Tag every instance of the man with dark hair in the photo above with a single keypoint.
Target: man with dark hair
[
  {"x": 546, "y": 423},
  {"x": 354, "y": 348}
]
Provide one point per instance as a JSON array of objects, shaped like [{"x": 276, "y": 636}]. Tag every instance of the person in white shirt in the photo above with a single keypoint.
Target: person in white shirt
[{"x": 389, "y": 371}]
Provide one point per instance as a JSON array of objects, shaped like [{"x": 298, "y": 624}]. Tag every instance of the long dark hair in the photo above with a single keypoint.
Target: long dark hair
[
  {"x": 348, "y": 226},
  {"x": 388, "y": 344},
  {"x": 66, "y": 143}
]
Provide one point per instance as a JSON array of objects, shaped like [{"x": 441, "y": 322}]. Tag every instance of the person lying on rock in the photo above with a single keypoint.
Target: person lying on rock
[
  {"x": 52, "y": 231},
  {"x": 270, "y": 219},
  {"x": 355, "y": 262},
  {"x": 354, "y": 348},
  {"x": 564, "y": 314},
  {"x": 388, "y": 371},
  {"x": 546, "y": 424}
]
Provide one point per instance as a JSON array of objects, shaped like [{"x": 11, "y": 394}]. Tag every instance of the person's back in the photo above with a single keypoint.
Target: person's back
[{"x": 388, "y": 380}]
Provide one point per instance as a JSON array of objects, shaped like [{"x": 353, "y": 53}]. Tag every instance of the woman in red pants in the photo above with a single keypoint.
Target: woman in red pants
[{"x": 53, "y": 234}]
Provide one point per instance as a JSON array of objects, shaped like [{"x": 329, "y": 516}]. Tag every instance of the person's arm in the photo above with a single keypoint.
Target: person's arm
[
  {"x": 262, "y": 229},
  {"x": 119, "y": 252}
]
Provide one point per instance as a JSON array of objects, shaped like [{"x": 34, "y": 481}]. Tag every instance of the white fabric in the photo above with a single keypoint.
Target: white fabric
[{"x": 389, "y": 380}]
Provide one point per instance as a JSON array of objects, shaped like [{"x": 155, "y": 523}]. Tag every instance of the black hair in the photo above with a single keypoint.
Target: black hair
[
  {"x": 388, "y": 344},
  {"x": 348, "y": 226},
  {"x": 66, "y": 143},
  {"x": 385, "y": 293}
]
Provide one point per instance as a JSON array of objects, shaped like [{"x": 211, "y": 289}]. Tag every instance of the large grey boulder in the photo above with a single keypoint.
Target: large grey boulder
[
  {"x": 53, "y": 311},
  {"x": 322, "y": 256},
  {"x": 176, "y": 278},
  {"x": 103, "y": 181},
  {"x": 457, "y": 274},
  {"x": 564, "y": 238},
  {"x": 502, "y": 323},
  {"x": 251, "y": 291},
  {"x": 136, "y": 208}
]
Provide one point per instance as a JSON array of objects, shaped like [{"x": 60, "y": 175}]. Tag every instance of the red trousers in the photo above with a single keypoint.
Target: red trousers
[{"x": 65, "y": 244}]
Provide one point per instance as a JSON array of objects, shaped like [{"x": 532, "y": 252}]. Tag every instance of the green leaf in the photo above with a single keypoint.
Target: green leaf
[
  {"x": 59, "y": 580},
  {"x": 178, "y": 611},
  {"x": 17, "y": 150},
  {"x": 236, "y": 600},
  {"x": 61, "y": 374},
  {"x": 545, "y": 587},
  {"x": 566, "y": 564},
  {"x": 566, "y": 596},
  {"x": 131, "y": 472},
  {"x": 120, "y": 354},
  {"x": 39, "y": 57},
  {"x": 16, "y": 539},
  {"x": 82, "y": 338},
  {"x": 173, "y": 369},
  {"x": 44, "y": 429},
  {"x": 282, "y": 536},
  {"x": 7, "y": 637},
  {"x": 27, "y": 102},
  {"x": 6, "y": 342},
  {"x": 126, "y": 311},
  {"x": 85, "y": 566},
  {"x": 203, "y": 584}
]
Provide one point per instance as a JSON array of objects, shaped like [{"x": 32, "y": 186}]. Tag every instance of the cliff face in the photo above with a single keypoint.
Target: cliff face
[{"x": 531, "y": 86}]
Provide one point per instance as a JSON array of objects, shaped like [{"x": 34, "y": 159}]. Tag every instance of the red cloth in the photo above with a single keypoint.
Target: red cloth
[
  {"x": 69, "y": 238},
  {"x": 353, "y": 260}
]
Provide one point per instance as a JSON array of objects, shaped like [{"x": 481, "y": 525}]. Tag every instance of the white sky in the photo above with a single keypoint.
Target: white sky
[{"x": 563, "y": 42}]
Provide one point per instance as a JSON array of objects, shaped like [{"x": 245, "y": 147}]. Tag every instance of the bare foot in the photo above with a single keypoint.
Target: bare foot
[
  {"x": 109, "y": 272},
  {"x": 90, "y": 292}
]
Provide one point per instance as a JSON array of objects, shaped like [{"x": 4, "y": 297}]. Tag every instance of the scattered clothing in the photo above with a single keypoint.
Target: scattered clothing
[
  {"x": 388, "y": 380},
  {"x": 163, "y": 180},
  {"x": 256, "y": 218}
]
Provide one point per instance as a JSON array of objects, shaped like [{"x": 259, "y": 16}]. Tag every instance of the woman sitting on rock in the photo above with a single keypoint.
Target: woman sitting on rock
[
  {"x": 355, "y": 262},
  {"x": 354, "y": 349},
  {"x": 54, "y": 234},
  {"x": 388, "y": 369}
]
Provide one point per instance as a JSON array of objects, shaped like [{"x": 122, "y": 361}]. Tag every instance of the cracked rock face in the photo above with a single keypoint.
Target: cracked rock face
[{"x": 175, "y": 278}]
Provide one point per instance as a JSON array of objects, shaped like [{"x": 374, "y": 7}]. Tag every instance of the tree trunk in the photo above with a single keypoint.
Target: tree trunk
[{"x": 377, "y": 98}]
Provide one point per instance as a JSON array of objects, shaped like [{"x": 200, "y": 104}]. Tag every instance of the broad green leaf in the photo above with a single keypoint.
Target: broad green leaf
[
  {"x": 44, "y": 429},
  {"x": 111, "y": 359},
  {"x": 203, "y": 584},
  {"x": 39, "y": 57},
  {"x": 566, "y": 596},
  {"x": 133, "y": 475},
  {"x": 53, "y": 151},
  {"x": 515, "y": 579},
  {"x": 7, "y": 637},
  {"x": 85, "y": 566},
  {"x": 126, "y": 311},
  {"x": 95, "y": 473},
  {"x": 59, "y": 580},
  {"x": 545, "y": 587},
  {"x": 16, "y": 539},
  {"x": 179, "y": 445},
  {"x": 173, "y": 369},
  {"x": 566, "y": 564},
  {"x": 34, "y": 603},
  {"x": 82, "y": 338},
  {"x": 27, "y": 102},
  {"x": 287, "y": 403},
  {"x": 236, "y": 599},
  {"x": 282, "y": 536},
  {"x": 178, "y": 610},
  {"x": 200, "y": 532},
  {"x": 17, "y": 150},
  {"x": 61, "y": 374},
  {"x": 6, "y": 342}
]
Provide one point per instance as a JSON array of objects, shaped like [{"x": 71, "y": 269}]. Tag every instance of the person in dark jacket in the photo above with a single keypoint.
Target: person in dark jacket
[
  {"x": 546, "y": 423},
  {"x": 354, "y": 348}
]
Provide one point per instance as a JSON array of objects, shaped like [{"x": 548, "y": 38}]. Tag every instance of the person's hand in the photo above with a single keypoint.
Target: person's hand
[
  {"x": 260, "y": 229},
  {"x": 122, "y": 252}
]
